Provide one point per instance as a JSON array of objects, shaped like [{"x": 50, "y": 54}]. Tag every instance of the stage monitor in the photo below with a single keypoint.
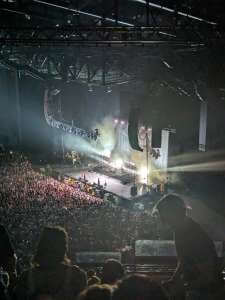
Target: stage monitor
[{"x": 96, "y": 257}]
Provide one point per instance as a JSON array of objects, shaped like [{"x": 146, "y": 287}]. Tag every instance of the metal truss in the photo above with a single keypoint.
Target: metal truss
[
  {"x": 107, "y": 36},
  {"x": 88, "y": 67},
  {"x": 111, "y": 22},
  {"x": 62, "y": 125},
  {"x": 90, "y": 43}
]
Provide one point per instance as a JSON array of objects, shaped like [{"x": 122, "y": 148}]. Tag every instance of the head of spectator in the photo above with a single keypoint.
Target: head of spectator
[
  {"x": 52, "y": 247},
  {"x": 91, "y": 273},
  {"x": 94, "y": 280},
  {"x": 96, "y": 292},
  {"x": 112, "y": 271},
  {"x": 172, "y": 210},
  {"x": 138, "y": 287}
]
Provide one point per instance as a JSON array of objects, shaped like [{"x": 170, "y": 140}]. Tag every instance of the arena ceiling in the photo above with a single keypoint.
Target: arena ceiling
[{"x": 179, "y": 44}]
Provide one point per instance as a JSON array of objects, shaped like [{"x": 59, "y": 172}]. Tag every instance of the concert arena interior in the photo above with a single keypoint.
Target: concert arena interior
[{"x": 112, "y": 149}]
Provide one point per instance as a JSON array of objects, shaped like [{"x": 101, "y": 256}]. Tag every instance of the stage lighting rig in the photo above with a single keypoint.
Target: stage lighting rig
[{"x": 71, "y": 129}]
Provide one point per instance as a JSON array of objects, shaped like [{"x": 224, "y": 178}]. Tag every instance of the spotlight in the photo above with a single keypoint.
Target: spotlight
[
  {"x": 122, "y": 122},
  {"x": 108, "y": 89},
  {"x": 116, "y": 121},
  {"x": 143, "y": 173},
  {"x": 117, "y": 164},
  {"x": 90, "y": 88}
]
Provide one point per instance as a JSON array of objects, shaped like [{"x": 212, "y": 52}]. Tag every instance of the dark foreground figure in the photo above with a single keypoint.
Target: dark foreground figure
[
  {"x": 198, "y": 274},
  {"x": 52, "y": 276}
]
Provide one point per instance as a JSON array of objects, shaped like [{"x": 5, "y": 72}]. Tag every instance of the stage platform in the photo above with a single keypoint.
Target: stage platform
[{"x": 113, "y": 185}]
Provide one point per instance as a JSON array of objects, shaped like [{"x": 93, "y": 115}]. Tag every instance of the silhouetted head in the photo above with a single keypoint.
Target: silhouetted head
[
  {"x": 138, "y": 287},
  {"x": 112, "y": 271},
  {"x": 91, "y": 272},
  {"x": 94, "y": 280},
  {"x": 96, "y": 292},
  {"x": 172, "y": 210},
  {"x": 52, "y": 247}
]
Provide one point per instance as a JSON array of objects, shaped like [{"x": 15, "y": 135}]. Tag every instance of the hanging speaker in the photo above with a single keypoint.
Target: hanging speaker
[
  {"x": 133, "y": 191},
  {"x": 156, "y": 138},
  {"x": 133, "y": 129}
]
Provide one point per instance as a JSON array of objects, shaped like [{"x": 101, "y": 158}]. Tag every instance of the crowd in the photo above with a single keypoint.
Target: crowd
[
  {"x": 30, "y": 200},
  {"x": 48, "y": 221},
  {"x": 52, "y": 276}
]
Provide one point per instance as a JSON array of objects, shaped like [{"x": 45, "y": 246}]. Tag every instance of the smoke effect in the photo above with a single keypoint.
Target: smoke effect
[
  {"x": 107, "y": 140},
  {"x": 104, "y": 144},
  {"x": 79, "y": 144}
]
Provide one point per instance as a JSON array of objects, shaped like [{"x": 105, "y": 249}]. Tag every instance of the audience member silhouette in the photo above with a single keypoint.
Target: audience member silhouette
[
  {"x": 138, "y": 287},
  {"x": 96, "y": 292},
  {"x": 197, "y": 269},
  {"x": 52, "y": 274},
  {"x": 112, "y": 271},
  {"x": 92, "y": 277}
]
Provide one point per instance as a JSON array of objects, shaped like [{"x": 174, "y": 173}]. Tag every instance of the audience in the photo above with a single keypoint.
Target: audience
[
  {"x": 52, "y": 273},
  {"x": 138, "y": 287},
  {"x": 96, "y": 292},
  {"x": 92, "y": 277},
  {"x": 29, "y": 201},
  {"x": 112, "y": 271}
]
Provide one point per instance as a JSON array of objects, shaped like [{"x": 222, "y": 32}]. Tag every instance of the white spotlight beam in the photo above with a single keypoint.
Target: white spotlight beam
[{"x": 180, "y": 13}]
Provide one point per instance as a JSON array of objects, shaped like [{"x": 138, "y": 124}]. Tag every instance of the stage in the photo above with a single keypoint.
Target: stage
[{"x": 110, "y": 184}]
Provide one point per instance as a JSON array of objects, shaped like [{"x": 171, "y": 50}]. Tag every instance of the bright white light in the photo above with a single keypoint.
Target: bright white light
[
  {"x": 130, "y": 163},
  {"x": 90, "y": 88},
  {"x": 117, "y": 164},
  {"x": 106, "y": 153},
  {"x": 116, "y": 121},
  {"x": 122, "y": 122},
  {"x": 143, "y": 173}
]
